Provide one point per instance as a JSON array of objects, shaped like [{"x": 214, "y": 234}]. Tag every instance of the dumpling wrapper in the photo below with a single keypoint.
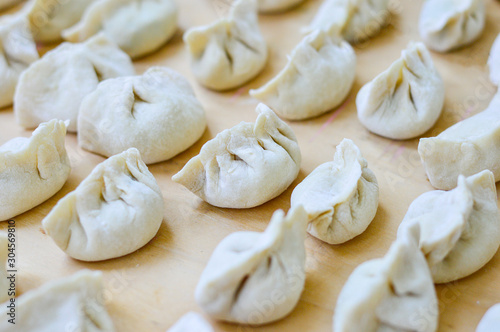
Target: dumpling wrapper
[
  {"x": 466, "y": 148},
  {"x": 191, "y": 322},
  {"x": 405, "y": 100},
  {"x": 32, "y": 169},
  {"x": 446, "y": 25},
  {"x": 249, "y": 270},
  {"x": 73, "y": 303},
  {"x": 48, "y": 18},
  {"x": 340, "y": 196},
  {"x": 353, "y": 20},
  {"x": 244, "y": 166},
  {"x": 17, "y": 52},
  {"x": 394, "y": 293},
  {"x": 55, "y": 85},
  {"x": 459, "y": 230},
  {"x": 275, "y": 6},
  {"x": 317, "y": 78},
  {"x": 229, "y": 52},
  {"x": 156, "y": 112},
  {"x": 491, "y": 320},
  {"x": 494, "y": 62},
  {"x": 113, "y": 212},
  {"x": 138, "y": 27},
  {"x": 4, "y": 282}
]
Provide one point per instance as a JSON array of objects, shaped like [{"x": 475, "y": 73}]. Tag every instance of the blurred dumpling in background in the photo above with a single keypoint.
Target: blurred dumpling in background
[
  {"x": 491, "y": 320},
  {"x": 191, "y": 322},
  {"x": 138, "y": 27},
  {"x": 229, "y": 52},
  {"x": 276, "y": 6},
  {"x": 317, "y": 78},
  {"x": 494, "y": 62},
  {"x": 446, "y": 25}
]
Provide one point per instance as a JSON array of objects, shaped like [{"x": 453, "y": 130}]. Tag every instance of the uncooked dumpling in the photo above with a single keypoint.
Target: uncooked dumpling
[
  {"x": 230, "y": 51},
  {"x": 116, "y": 210},
  {"x": 353, "y": 20},
  {"x": 54, "y": 86},
  {"x": 32, "y": 169},
  {"x": 73, "y": 303},
  {"x": 4, "y": 282},
  {"x": 274, "y": 6},
  {"x": 405, "y": 100},
  {"x": 48, "y": 18},
  {"x": 246, "y": 165},
  {"x": 494, "y": 62},
  {"x": 191, "y": 322},
  {"x": 248, "y": 269},
  {"x": 394, "y": 293},
  {"x": 446, "y": 25},
  {"x": 317, "y": 78},
  {"x": 157, "y": 113},
  {"x": 340, "y": 196},
  {"x": 17, "y": 52},
  {"x": 491, "y": 320},
  {"x": 466, "y": 148},
  {"x": 138, "y": 27},
  {"x": 459, "y": 230}
]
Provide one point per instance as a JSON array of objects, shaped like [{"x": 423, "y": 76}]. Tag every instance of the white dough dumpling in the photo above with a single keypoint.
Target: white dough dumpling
[
  {"x": 244, "y": 166},
  {"x": 466, "y": 148},
  {"x": 494, "y": 62},
  {"x": 340, "y": 196},
  {"x": 54, "y": 86},
  {"x": 48, "y": 18},
  {"x": 156, "y": 112},
  {"x": 229, "y": 52},
  {"x": 138, "y": 27},
  {"x": 491, "y": 320},
  {"x": 32, "y": 169},
  {"x": 317, "y": 78},
  {"x": 275, "y": 6},
  {"x": 73, "y": 303},
  {"x": 17, "y": 52},
  {"x": 394, "y": 293},
  {"x": 191, "y": 322},
  {"x": 459, "y": 230},
  {"x": 405, "y": 100},
  {"x": 113, "y": 212},
  {"x": 446, "y": 25},
  {"x": 353, "y": 20},
  {"x": 248, "y": 269}
]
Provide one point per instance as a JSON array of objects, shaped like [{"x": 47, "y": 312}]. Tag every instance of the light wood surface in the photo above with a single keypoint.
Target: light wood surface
[{"x": 153, "y": 287}]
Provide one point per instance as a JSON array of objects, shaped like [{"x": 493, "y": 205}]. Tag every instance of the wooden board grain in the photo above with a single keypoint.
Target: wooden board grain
[{"x": 151, "y": 288}]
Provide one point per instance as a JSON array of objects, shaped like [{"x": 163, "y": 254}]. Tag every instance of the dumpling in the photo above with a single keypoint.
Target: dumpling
[
  {"x": 274, "y": 6},
  {"x": 17, "y": 52},
  {"x": 446, "y": 25},
  {"x": 73, "y": 303},
  {"x": 138, "y": 27},
  {"x": 394, "y": 293},
  {"x": 491, "y": 320},
  {"x": 191, "y": 322},
  {"x": 4, "y": 282},
  {"x": 230, "y": 51},
  {"x": 248, "y": 269},
  {"x": 494, "y": 61},
  {"x": 116, "y": 210},
  {"x": 466, "y": 148},
  {"x": 157, "y": 113},
  {"x": 32, "y": 169},
  {"x": 48, "y": 18},
  {"x": 353, "y": 20},
  {"x": 405, "y": 100},
  {"x": 459, "y": 230},
  {"x": 317, "y": 78},
  {"x": 244, "y": 166},
  {"x": 340, "y": 196},
  {"x": 54, "y": 86}
]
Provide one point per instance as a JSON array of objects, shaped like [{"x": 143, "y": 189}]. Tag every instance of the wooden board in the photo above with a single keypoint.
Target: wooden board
[{"x": 151, "y": 288}]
